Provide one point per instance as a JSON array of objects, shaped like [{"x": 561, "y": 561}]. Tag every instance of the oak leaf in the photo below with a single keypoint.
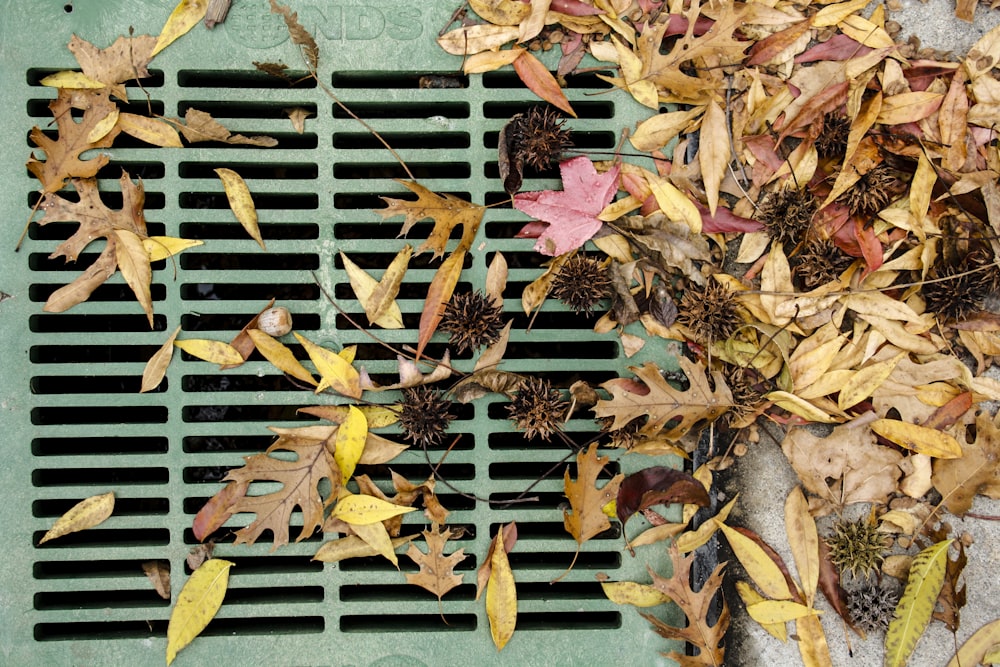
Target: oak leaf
[
  {"x": 200, "y": 126},
  {"x": 437, "y": 571},
  {"x": 587, "y": 501},
  {"x": 663, "y": 404},
  {"x": 124, "y": 60},
  {"x": 707, "y": 639},
  {"x": 300, "y": 481},
  {"x": 976, "y": 472},
  {"x": 447, "y": 212}
]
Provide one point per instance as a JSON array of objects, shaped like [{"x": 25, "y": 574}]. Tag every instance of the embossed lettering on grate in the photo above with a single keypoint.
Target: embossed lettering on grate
[{"x": 77, "y": 426}]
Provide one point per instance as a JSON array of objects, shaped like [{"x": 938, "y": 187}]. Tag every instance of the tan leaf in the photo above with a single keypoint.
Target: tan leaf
[
  {"x": 383, "y": 297},
  {"x": 353, "y": 546},
  {"x": 501, "y": 598},
  {"x": 213, "y": 351},
  {"x": 364, "y": 287},
  {"x": 468, "y": 40},
  {"x": 298, "y": 115},
  {"x": 150, "y": 130},
  {"x": 656, "y": 132},
  {"x": 200, "y": 126},
  {"x": 438, "y": 294},
  {"x": 446, "y": 210},
  {"x": 133, "y": 262},
  {"x": 713, "y": 152},
  {"x": 158, "y": 572},
  {"x": 586, "y": 518},
  {"x": 241, "y": 202},
  {"x": 437, "y": 571},
  {"x": 156, "y": 367},
  {"x": 87, "y": 513},
  {"x": 124, "y": 60},
  {"x": 866, "y": 381},
  {"x": 280, "y": 356},
  {"x": 488, "y": 61},
  {"x": 804, "y": 542}
]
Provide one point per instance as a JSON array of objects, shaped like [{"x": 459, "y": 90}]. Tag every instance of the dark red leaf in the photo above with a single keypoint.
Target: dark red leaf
[
  {"x": 838, "y": 47},
  {"x": 724, "y": 221},
  {"x": 658, "y": 485},
  {"x": 772, "y": 45},
  {"x": 950, "y": 412},
  {"x": 829, "y": 583}
]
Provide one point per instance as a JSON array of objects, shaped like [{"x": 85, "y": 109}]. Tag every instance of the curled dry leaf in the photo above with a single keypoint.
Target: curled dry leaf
[{"x": 158, "y": 573}]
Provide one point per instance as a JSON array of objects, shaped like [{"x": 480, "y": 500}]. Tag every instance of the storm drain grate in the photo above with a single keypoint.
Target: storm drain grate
[{"x": 76, "y": 425}]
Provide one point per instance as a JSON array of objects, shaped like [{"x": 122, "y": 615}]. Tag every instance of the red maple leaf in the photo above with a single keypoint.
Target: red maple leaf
[{"x": 571, "y": 212}]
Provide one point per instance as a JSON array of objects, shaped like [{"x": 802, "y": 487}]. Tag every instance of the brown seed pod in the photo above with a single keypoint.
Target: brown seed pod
[
  {"x": 786, "y": 213},
  {"x": 872, "y": 606},
  {"x": 473, "y": 320},
  {"x": 873, "y": 191},
  {"x": 711, "y": 313},
  {"x": 424, "y": 415},
  {"x": 832, "y": 141},
  {"x": 581, "y": 283},
  {"x": 818, "y": 263},
  {"x": 857, "y": 546},
  {"x": 537, "y": 408}
]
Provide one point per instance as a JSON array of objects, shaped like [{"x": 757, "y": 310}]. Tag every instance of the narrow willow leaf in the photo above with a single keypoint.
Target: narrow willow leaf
[
  {"x": 103, "y": 126},
  {"x": 150, "y": 130},
  {"x": 438, "y": 294},
  {"x": 350, "y": 443},
  {"x": 713, "y": 152},
  {"x": 764, "y": 572},
  {"x": 978, "y": 647},
  {"x": 364, "y": 286},
  {"x": 213, "y": 351},
  {"x": 161, "y": 247},
  {"x": 353, "y": 546},
  {"x": 185, "y": 16},
  {"x": 691, "y": 540},
  {"x": 915, "y": 608},
  {"x": 241, "y": 203},
  {"x": 768, "y": 612},
  {"x": 67, "y": 79},
  {"x": 863, "y": 384},
  {"x": 280, "y": 356},
  {"x": 920, "y": 439},
  {"x": 156, "y": 367},
  {"x": 87, "y": 513},
  {"x": 359, "y": 509},
  {"x": 133, "y": 262},
  {"x": 336, "y": 371},
  {"x": 634, "y": 593},
  {"x": 804, "y": 541},
  {"x": 750, "y": 596},
  {"x": 382, "y": 301},
  {"x": 813, "y": 647},
  {"x": 501, "y": 599},
  {"x": 377, "y": 537},
  {"x": 197, "y": 604}
]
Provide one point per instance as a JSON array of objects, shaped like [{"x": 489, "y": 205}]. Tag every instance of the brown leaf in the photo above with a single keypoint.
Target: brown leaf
[
  {"x": 158, "y": 572},
  {"x": 438, "y": 294},
  {"x": 707, "y": 639},
  {"x": 447, "y": 212},
  {"x": 977, "y": 472},
  {"x": 298, "y": 117},
  {"x": 952, "y": 596},
  {"x": 124, "y": 60},
  {"x": 300, "y": 36},
  {"x": 658, "y": 485},
  {"x": 200, "y": 126},
  {"x": 62, "y": 155},
  {"x": 437, "y": 571},
  {"x": 242, "y": 341},
  {"x": 198, "y": 554},
  {"x": 586, "y": 500},
  {"x": 540, "y": 81},
  {"x": 829, "y": 584},
  {"x": 133, "y": 262},
  {"x": 217, "y": 510}
]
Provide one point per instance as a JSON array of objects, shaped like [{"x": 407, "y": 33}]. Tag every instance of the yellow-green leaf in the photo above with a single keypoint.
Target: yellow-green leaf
[
  {"x": 161, "y": 247},
  {"x": 768, "y": 612},
  {"x": 501, "y": 598},
  {"x": 197, "y": 604},
  {"x": 336, "y": 372},
  {"x": 353, "y": 546},
  {"x": 977, "y": 648},
  {"x": 863, "y": 384},
  {"x": 377, "y": 537},
  {"x": 185, "y": 16},
  {"x": 133, "y": 262},
  {"x": 914, "y": 610},
  {"x": 69, "y": 79},
  {"x": 750, "y": 596},
  {"x": 920, "y": 439},
  {"x": 350, "y": 443},
  {"x": 764, "y": 572},
  {"x": 359, "y": 509},
  {"x": 85, "y": 514},
  {"x": 280, "y": 356},
  {"x": 151, "y": 130},
  {"x": 804, "y": 541},
  {"x": 213, "y": 351},
  {"x": 633, "y": 593},
  {"x": 156, "y": 367},
  {"x": 241, "y": 202}
]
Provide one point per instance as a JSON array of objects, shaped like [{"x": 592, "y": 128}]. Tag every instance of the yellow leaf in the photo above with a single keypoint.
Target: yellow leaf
[
  {"x": 862, "y": 30},
  {"x": 87, "y": 513},
  {"x": 834, "y": 14},
  {"x": 353, "y": 546},
  {"x": 161, "y": 247},
  {"x": 804, "y": 541},
  {"x": 914, "y": 610},
  {"x": 336, "y": 372},
  {"x": 977, "y": 648},
  {"x": 657, "y": 533},
  {"x": 921, "y": 439},
  {"x": 69, "y": 79},
  {"x": 750, "y": 596},
  {"x": 487, "y": 61},
  {"x": 151, "y": 130},
  {"x": 197, "y": 604},
  {"x": 674, "y": 203},
  {"x": 472, "y": 39},
  {"x": 633, "y": 593},
  {"x": 713, "y": 152},
  {"x": 908, "y": 107},
  {"x": 775, "y": 283},
  {"x": 241, "y": 202},
  {"x": 381, "y": 303},
  {"x": 808, "y": 364},
  {"x": 863, "y": 383},
  {"x": 377, "y": 537},
  {"x": 360, "y": 510},
  {"x": 694, "y": 539},
  {"x": 103, "y": 126},
  {"x": 133, "y": 262},
  {"x": 501, "y": 598},
  {"x": 778, "y": 611},
  {"x": 184, "y": 17},
  {"x": 813, "y": 647},
  {"x": 656, "y": 132},
  {"x": 280, "y": 356},
  {"x": 156, "y": 367},
  {"x": 799, "y": 406},
  {"x": 350, "y": 443},
  {"x": 921, "y": 188},
  {"x": 213, "y": 351},
  {"x": 756, "y": 562}
]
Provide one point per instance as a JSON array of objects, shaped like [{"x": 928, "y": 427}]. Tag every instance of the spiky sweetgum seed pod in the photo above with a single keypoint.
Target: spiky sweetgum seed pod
[
  {"x": 964, "y": 289},
  {"x": 832, "y": 141},
  {"x": 711, "y": 313},
  {"x": 872, "y": 192},
  {"x": 537, "y": 408},
  {"x": 819, "y": 262},
  {"x": 857, "y": 546},
  {"x": 424, "y": 415},
  {"x": 786, "y": 213},
  {"x": 581, "y": 283},
  {"x": 473, "y": 320},
  {"x": 872, "y": 606},
  {"x": 539, "y": 138}
]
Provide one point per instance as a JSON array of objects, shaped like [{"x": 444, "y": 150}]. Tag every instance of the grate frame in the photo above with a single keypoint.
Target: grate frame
[{"x": 76, "y": 425}]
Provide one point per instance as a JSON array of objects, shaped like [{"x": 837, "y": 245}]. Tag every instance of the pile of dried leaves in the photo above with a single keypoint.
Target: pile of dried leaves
[{"x": 823, "y": 239}]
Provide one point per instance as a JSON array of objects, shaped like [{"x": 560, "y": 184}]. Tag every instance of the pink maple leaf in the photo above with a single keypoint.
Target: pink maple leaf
[{"x": 571, "y": 212}]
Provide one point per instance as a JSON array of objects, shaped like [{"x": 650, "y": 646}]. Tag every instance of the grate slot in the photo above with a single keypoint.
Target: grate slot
[
  {"x": 107, "y": 538},
  {"x": 34, "y": 76},
  {"x": 230, "y": 109},
  {"x": 99, "y": 414},
  {"x": 402, "y": 140},
  {"x": 116, "y": 599},
  {"x": 408, "y": 623},
  {"x": 101, "y": 446},
  {"x": 242, "y": 79},
  {"x": 397, "y": 80},
  {"x": 403, "y": 110},
  {"x": 96, "y": 476}
]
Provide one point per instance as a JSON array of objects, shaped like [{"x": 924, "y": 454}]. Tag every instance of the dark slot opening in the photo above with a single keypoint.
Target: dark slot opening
[
  {"x": 235, "y": 322},
  {"x": 510, "y": 79},
  {"x": 87, "y": 568},
  {"x": 89, "y": 384},
  {"x": 250, "y": 291},
  {"x": 101, "y": 631},
  {"x": 194, "y": 444},
  {"x": 381, "y": 260},
  {"x": 377, "y": 230},
  {"x": 102, "y": 446},
  {"x": 34, "y": 75},
  {"x": 244, "y": 109},
  {"x": 401, "y": 110},
  {"x": 91, "y": 476},
  {"x": 401, "y": 593},
  {"x": 582, "y": 141},
  {"x": 39, "y": 108},
  {"x": 201, "y": 261},
  {"x": 563, "y": 350},
  {"x": 298, "y": 201},
  {"x": 406, "y": 291},
  {"x": 147, "y": 171},
  {"x": 222, "y": 383},
  {"x": 107, "y": 537},
  {"x": 238, "y": 413},
  {"x": 410, "y": 321},
  {"x": 402, "y": 140},
  {"x": 243, "y": 79},
  {"x": 104, "y": 293},
  {"x": 274, "y": 595},
  {"x": 569, "y": 620},
  {"x": 586, "y": 560},
  {"x": 299, "y": 231},
  {"x": 368, "y": 170},
  {"x": 515, "y": 441},
  {"x": 385, "y": 623},
  {"x": 382, "y": 80},
  {"x": 261, "y": 566},
  {"x": 535, "y": 469},
  {"x": 602, "y": 109},
  {"x": 560, "y": 590},
  {"x": 137, "y": 414},
  {"x": 536, "y": 530},
  {"x": 123, "y": 507},
  {"x": 128, "y": 599},
  {"x": 417, "y": 472},
  {"x": 90, "y": 354},
  {"x": 251, "y": 170}
]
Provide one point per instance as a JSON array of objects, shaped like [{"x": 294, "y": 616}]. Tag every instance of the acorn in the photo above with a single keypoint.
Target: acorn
[{"x": 275, "y": 321}]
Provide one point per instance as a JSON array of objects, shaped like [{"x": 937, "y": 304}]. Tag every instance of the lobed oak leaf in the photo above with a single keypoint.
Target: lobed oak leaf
[
  {"x": 572, "y": 212},
  {"x": 124, "y": 60},
  {"x": 200, "y": 126},
  {"x": 437, "y": 571},
  {"x": 959, "y": 480},
  {"x": 447, "y": 212},
  {"x": 587, "y": 501}
]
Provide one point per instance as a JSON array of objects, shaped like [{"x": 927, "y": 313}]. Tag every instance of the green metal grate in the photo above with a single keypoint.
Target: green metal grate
[{"x": 75, "y": 425}]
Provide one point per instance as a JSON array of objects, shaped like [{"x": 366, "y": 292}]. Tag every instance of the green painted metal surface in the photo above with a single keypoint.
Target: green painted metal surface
[{"x": 75, "y": 425}]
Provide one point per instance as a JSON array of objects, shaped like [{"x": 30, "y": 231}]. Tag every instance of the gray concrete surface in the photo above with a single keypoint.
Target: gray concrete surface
[{"x": 763, "y": 476}]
